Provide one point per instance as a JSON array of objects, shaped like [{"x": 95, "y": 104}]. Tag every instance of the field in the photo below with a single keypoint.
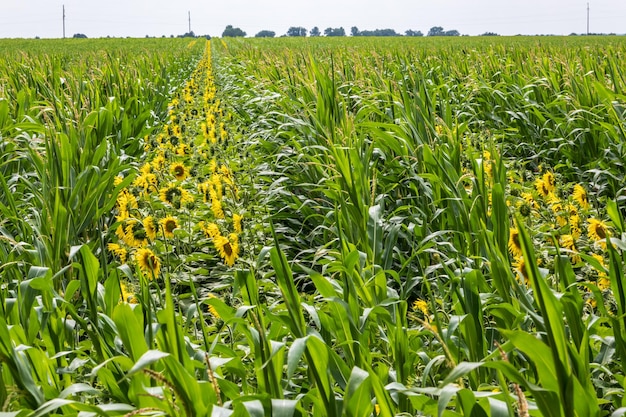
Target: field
[{"x": 317, "y": 226}]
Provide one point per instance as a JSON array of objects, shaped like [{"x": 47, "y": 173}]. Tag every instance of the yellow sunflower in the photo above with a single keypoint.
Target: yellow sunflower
[
  {"x": 520, "y": 268},
  {"x": 135, "y": 234},
  {"x": 169, "y": 224},
  {"x": 515, "y": 246},
  {"x": 580, "y": 195},
  {"x": 118, "y": 250},
  {"x": 175, "y": 195},
  {"x": 541, "y": 187},
  {"x": 216, "y": 205},
  {"x": 228, "y": 247},
  {"x": 158, "y": 162},
  {"x": 210, "y": 230},
  {"x": 549, "y": 181},
  {"x": 237, "y": 219},
  {"x": 151, "y": 227},
  {"x": 127, "y": 295},
  {"x": 145, "y": 181},
  {"x": 148, "y": 262},
  {"x": 569, "y": 242},
  {"x": 597, "y": 230},
  {"x": 574, "y": 226},
  {"x": 212, "y": 309},
  {"x": 179, "y": 171},
  {"x": 603, "y": 280}
]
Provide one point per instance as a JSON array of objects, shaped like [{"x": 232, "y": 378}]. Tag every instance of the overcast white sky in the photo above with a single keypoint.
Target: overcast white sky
[{"x": 138, "y": 18}]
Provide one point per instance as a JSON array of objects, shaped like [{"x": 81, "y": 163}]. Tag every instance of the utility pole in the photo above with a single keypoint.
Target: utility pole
[
  {"x": 64, "y": 21},
  {"x": 587, "y": 19},
  {"x": 189, "y": 21}
]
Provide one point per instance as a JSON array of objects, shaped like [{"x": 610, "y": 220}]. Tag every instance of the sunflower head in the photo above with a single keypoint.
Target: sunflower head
[
  {"x": 171, "y": 195},
  {"x": 169, "y": 224},
  {"x": 118, "y": 250},
  {"x": 515, "y": 246},
  {"x": 150, "y": 225},
  {"x": 237, "y": 220},
  {"x": 580, "y": 196},
  {"x": 228, "y": 248},
  {"x": 127, "y": 295},
  {"x": 597, "y": 230},
  {"x": 520, "y": 268},
  {"x": 179, "y": 171},
  {"x": 541, "y": 187},
  {"x": 148, "y": 262},
  {"x": 549, "y": 181}
]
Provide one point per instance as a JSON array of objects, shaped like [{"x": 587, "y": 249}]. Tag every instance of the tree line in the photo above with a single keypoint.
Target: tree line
[{"x": 299, "y": 31}]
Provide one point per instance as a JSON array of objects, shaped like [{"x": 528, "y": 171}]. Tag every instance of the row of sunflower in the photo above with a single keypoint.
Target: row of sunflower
[
  {"x": 183, "y": 199},
  {"x": 561, "y": 216}
]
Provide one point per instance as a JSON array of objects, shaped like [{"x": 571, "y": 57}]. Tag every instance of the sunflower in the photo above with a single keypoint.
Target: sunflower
[
  {"x": 580, "y": 195},
  {"x": 237, "y": 218},
  {"x": 228, "y": 247},
  {"x": 179, "y": 171},
  {"x": 216, "y": 205},
  {"x": 145, "y": 181},
  {"x": 515, "y": 246},
  {"x": 569, "y": 242},
  {"x": 216, "y": 182},
  {"x": 597, "y": 230},
  {"x": 557, "y": 208},
  {"x": 204, "y": 188},
  {"x": 603, "y": 280},
  {"x": 175, "y": 195},
  {"x": 574, "y": 226},
  {"x": 151, "y": 227},
  {"x": 158, "y": 162},
  {"x": 148, "y": 262},
  {"x": 146, "y": 168},
  {"x": 169, "y": 224},
  {"x": 549, "y": 181},
  {"x": 528, "y": 198},
  {"x": 520, "y": 268},
  {"x": 135, "y": 234},
  {"x": 212, "y": 309},
  {"x": 118, "y": 250},
  {"x": 541, "y": 187},
  {"x": 127, "y": 295},
  {"x": 210, "y": 230}
]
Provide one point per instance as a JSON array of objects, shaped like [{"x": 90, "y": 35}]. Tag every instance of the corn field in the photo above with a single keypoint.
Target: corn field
[{"x": 313, "y": 227}]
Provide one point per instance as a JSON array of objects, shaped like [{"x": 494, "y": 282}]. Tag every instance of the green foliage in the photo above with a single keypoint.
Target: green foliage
[{"x": 432, "y": 227}]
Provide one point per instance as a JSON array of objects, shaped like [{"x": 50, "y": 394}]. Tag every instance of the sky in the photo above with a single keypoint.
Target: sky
[{"x": 138, "y": 18}]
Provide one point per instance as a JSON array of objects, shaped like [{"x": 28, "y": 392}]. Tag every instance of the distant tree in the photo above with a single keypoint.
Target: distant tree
[
  {"x": 296, "y": 31},
  {"x": 231, "y": 32},
  {"x": 315, "y": 31},
  {"x": 411, "y": 32},
  {"x": 335, "y": 32},
  {"x": 79, "y": 36},
  {"x": 435, "y": 31},
  {"x": 189, "y": 35},
  {"x": 354, "y": 31},
  {"x": 438, "y": 31},
  {"x": 265, "y": 34},
  {"x": 379, "y": 32},
  {"x": 490, "y": 34}
]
